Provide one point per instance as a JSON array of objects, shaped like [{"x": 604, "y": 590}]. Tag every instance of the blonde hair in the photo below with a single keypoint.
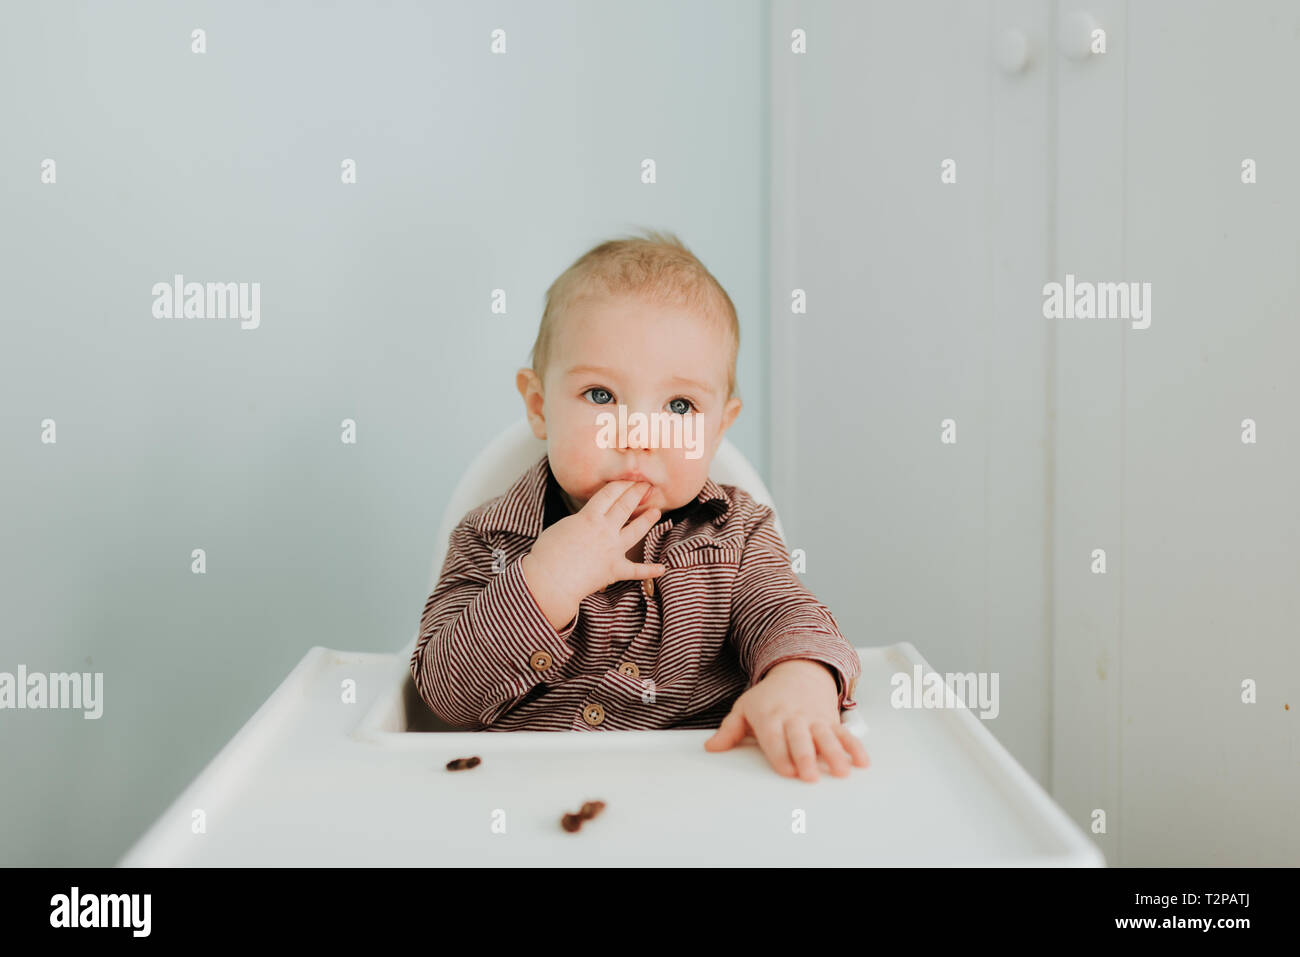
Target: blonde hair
[{"x": 657, "y": 268}]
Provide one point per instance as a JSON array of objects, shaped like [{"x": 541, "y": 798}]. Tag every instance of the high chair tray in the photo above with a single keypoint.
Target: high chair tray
[{"x": 311, "y": 780}]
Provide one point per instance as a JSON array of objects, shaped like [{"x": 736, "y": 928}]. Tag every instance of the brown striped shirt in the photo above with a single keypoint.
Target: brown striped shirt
[{"x": 672, "y": 654}]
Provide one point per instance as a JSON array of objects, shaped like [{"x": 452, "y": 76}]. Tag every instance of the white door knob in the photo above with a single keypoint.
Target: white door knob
[
  {"x": 1075, "y": 36},
  {"x": 1013, "y": 51}
]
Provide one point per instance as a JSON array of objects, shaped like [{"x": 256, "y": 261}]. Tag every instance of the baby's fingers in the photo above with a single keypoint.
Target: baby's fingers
[
  {"x": 599, "y": 503},
  {"x": 731, "y": 732},
  {"x": 800, "y": 742},
  {"x": 771, "y": 738},
  {"x": 641, "y": 570},
  {"x": 832, "y": 749},
  {"x": 627, "y": 503},
  {"x": 857, "y": 750},
  {"x": 636, "y": 529}
]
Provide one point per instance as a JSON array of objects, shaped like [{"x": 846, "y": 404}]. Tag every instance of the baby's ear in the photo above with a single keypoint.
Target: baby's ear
[
  {"x": 526, "y": 381},
  {"x": 530, "y": 389},
  {"x": 729, "y": 413}
]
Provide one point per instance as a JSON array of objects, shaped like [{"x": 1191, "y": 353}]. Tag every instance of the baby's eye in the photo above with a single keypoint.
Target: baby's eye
[
  {"x": 601, "y": 391},
  {"x": 688, "y": 403}
]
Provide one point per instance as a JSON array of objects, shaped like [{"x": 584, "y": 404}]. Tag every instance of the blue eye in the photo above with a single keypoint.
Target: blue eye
[{"x": 596, "y": 391}]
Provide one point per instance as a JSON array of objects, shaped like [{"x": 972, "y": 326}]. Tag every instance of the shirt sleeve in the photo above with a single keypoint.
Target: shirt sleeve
[
  {"x": 484, "y": 642},
  {"x": 775, "y": 618}
]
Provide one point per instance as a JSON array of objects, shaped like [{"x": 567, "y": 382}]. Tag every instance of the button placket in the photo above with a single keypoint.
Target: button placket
[
  {"x": 650, "y": 626},
  {"x": 593, "y": 714},
  {"x": 653, "y": 538},
  {"x": 651, "y": 543}
]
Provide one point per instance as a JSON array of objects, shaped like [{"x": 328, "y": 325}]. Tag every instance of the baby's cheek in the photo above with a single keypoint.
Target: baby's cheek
[{"x": 576, "y": 459}]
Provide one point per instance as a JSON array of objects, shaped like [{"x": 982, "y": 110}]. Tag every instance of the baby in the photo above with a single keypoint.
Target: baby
[{"x": 615, "y": 585}]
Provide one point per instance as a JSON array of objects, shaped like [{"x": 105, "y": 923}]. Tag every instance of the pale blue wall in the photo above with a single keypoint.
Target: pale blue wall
[{"x": 475, "y": 172}]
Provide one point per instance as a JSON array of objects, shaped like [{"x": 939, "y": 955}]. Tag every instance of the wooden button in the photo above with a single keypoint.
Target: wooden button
[
  {"x": 593, "y": 714},
  {"x": 540, "y": 661},
  {"x": 648, "y": 586},
  {"x": 630, "y": 669}
]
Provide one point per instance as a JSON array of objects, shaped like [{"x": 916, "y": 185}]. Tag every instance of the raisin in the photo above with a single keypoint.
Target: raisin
[
  {"x": 460, "y": 764},
  {"x": 571, "y": 822}
]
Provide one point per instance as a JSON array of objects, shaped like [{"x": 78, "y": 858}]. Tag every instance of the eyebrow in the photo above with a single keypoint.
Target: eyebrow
[{"x": 601, "y": 370}]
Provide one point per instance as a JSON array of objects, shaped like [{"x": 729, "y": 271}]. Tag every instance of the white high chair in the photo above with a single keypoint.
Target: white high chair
[{"x": 327, "y": 772}]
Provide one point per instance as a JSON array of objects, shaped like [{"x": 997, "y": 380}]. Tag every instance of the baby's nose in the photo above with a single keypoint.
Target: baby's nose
[{"x": 638, "y": 433}]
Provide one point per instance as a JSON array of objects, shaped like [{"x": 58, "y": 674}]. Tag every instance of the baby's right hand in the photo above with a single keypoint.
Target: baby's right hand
[{"x": 583, "y": 553}]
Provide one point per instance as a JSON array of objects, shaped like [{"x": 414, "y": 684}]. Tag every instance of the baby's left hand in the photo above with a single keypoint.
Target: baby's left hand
[{"x": 793, "y": 714}]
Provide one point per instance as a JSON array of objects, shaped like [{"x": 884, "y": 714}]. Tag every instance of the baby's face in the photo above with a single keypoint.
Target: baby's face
[{"x": 609, "y": 351}]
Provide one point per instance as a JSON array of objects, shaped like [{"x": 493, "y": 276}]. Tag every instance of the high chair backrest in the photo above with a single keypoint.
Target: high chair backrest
[{"x": 516, "y": 449}]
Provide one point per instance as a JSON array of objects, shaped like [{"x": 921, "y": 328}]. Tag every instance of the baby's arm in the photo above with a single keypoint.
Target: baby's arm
[
  {"x": 484, "y": 642},
  {"x": 775, "y": 618},
  {"x": 788, "y": 642}
]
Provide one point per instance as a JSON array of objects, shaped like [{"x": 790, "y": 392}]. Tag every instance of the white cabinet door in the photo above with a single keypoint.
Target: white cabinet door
[
  {"x": 1200, "y": 530},
  {"x": 923, "y": 305}
]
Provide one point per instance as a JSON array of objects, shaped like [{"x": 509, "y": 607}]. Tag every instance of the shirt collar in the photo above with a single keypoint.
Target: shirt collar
[{"x": 521, "y": 509}]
